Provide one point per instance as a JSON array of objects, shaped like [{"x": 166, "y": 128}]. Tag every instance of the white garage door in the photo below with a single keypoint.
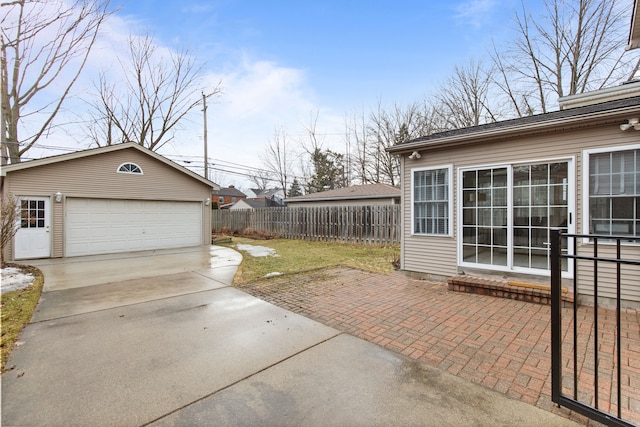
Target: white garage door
[{"x": 102, "y": 226}]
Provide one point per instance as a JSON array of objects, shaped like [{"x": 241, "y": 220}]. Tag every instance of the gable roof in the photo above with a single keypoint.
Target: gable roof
[
  {"x": 102, "y": 150},
  {"x": 605, "y": 112},
  {"x": 366, "y": 191},
  {"x": 265, "y": 192},
  {"x": 229, "y": 191},
  {"x": 249, "y": 204}
]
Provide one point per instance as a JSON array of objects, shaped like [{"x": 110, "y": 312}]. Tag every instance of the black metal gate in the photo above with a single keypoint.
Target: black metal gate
[{"x": 588, "y": 376}]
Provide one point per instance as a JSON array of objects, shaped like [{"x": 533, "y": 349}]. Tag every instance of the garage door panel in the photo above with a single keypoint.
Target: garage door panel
[{"x": 97, "y": 226}]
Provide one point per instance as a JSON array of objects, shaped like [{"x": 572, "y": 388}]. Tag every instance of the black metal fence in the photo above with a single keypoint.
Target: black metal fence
[{"x": 592, "y": 354}]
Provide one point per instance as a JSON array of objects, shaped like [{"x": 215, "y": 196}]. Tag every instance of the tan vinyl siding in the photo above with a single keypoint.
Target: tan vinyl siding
[
  {"x": 96, "y": 176},
  {"x": 430, "y": 255},
  {"x": 630, "y": 274},
  {"x": 438, "y": 255},
  {"x": 57, "y": 229}
]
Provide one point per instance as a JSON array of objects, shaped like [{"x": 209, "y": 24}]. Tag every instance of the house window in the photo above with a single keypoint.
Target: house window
[
  {"x": 32, "y": 214},
  {"x": 614, "y": 192},
  {"x": 220, "y": 199},
  {"x": 130, "y": 168},
  {"x": 431, "y": 201}
]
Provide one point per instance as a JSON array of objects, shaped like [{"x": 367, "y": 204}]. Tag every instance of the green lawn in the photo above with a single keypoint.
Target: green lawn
[{"x": 298, "y": 255}]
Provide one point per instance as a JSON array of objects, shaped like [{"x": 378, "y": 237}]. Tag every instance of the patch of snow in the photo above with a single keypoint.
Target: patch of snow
[
  {"x": 14, "y": 279},
  {"x": 257, "y": 251},
  {"x": 275, "y": 273}
]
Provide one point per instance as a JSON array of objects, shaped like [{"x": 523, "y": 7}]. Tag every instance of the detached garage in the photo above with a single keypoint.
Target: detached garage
[{"x": 112, "y": 199}]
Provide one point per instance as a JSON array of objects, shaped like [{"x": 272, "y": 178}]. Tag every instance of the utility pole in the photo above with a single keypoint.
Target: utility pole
[{"x": 206, "y": 157}]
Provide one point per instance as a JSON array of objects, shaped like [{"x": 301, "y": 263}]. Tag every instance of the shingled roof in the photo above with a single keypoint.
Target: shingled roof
[
  {"x": 229, "y": 191},
  {"x": 366, "y": 191},
  {"x": 539, "y": 123}
]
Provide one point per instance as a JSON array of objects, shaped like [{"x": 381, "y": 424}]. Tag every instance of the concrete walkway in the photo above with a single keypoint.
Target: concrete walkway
[{"x": 114, "y": 343}]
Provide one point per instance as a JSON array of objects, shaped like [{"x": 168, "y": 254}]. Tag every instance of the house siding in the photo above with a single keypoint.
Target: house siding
[
  {"x": 96, "y": 176},
  {"x": 441, "y": 252},
  {"x": 630, "y": 274}
]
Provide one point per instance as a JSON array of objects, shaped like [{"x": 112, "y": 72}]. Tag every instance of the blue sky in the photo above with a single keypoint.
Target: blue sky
[
  {"x": 282, "y": 62},
  {"x": 350, "y": 52}
]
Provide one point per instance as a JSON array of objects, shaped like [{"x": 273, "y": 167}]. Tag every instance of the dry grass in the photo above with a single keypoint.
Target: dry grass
[
  {"x": 17, "y": 308},
  {"x": 295, "y": 256}
]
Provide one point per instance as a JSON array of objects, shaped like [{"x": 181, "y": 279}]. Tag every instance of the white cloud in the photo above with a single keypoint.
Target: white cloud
[
  {"x": 475, "y": 12},
  {"x": 258, "y": 97},
  {"x": 262, "y": 88}
]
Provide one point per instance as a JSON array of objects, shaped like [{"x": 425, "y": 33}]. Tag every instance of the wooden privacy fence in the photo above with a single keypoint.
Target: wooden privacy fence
[{"x": 358, "y": 224}]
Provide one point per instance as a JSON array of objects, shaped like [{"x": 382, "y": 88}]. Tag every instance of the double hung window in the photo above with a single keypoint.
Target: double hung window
[
  {"x": 614, "y": 192},
  {"x": 431, "y": 201}
]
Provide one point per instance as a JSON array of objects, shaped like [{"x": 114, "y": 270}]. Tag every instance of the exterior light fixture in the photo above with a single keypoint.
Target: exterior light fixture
[
  {"x": 207, "y": 201},
  {"x": 631, "y": 123},
  {"x": 415, "y": 155},
  {"x": 58, "y": 197}
]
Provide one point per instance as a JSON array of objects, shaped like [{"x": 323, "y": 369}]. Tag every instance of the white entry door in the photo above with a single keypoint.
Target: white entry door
[{"x": 33, "y": 238}]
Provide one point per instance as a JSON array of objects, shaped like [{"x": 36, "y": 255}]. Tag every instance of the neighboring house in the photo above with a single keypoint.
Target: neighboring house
[
  {"x": 357, "y": 195},
  {"x": 225, "y": 197},
  {"x": 248, "y": 204},
  {"x": 117, "y": 198},
  {"x": 481, "y": 200},
  {"x": 272, "y": 197}
]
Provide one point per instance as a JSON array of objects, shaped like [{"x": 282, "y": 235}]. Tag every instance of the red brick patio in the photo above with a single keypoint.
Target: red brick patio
[{"x": 500, "y": 343}]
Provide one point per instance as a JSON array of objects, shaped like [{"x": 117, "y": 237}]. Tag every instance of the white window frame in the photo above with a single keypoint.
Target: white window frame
[
  {"x": 450, "y": 193},
  {"x": 586, "y": 214},
  {"x": 129, "y": 172}
]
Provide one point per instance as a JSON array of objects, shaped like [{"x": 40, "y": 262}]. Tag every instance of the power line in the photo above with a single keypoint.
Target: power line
[{"x": 247, "y": 171}]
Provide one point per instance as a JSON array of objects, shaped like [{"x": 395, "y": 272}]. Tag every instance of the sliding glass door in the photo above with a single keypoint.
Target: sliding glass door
[{"x": 507, "y": 213}]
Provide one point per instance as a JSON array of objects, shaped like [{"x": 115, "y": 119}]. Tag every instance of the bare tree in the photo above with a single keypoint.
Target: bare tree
[
  {"x": 157, "y": 90},
  {"x": 277, "y": 158},
  {"x": 44, "y": 46},
  {"x": 574, "y": 47},
  {"x": 261, "y": 178},
  {"x": 313, "y": 141},
  {"x": 9, "y": 209},
  {"x": 464, "y": 99},
  {"x": 356, "y": 137},
  {"x": 387, "y": 127},
  {"x": 515, "y": 99}
]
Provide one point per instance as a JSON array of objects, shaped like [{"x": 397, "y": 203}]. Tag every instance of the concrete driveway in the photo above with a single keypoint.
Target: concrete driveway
[{"x": 160, "y": 338}]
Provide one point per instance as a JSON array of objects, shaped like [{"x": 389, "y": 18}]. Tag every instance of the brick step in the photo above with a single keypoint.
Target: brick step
[{"x": 537, "y": 293}]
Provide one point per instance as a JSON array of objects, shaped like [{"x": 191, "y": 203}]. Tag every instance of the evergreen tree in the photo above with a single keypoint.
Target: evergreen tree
[
  {"x": 295, "y": 189},
  {"x": 329, "y": 172}
]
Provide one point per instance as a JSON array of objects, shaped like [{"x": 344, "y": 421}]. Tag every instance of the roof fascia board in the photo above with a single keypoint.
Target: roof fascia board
[
  {"x": 520, "y": 129},
  {"x": 634, "y": 31},
  {"x": 64, "y": 157}
]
